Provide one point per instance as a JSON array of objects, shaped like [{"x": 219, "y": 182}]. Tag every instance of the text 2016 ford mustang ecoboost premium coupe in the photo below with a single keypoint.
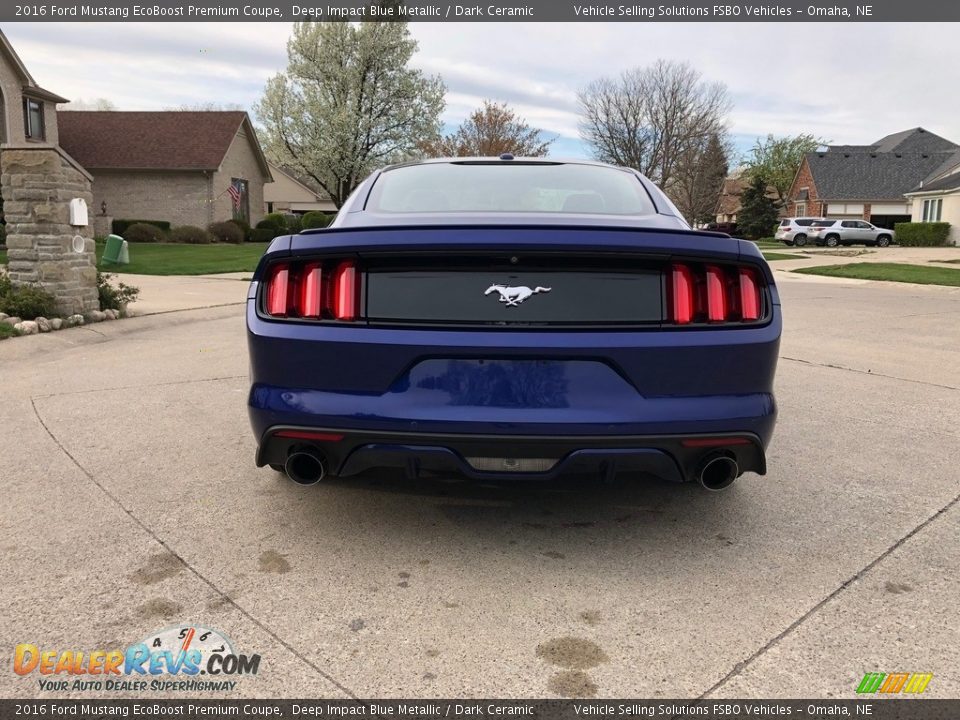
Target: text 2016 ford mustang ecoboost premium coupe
[{"x": 510, "y": 318}]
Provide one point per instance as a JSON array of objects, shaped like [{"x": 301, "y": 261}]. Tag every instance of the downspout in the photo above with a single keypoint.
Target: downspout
[{"x": 209, "y": 177}]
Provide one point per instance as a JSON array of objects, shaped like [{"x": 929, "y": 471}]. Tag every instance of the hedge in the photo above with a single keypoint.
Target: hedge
[
  {"x": 263, "y": 234},
  {"x": 922, "y": 234},
  {"x": 273, "y": 220},
  {"x": 119, "y": 227},
  {"x": 191, "y": 235},
  {"x": 316, "y": 219},
  {"x": 144, "y": 233},
  {"x": 227, "y": 232}
]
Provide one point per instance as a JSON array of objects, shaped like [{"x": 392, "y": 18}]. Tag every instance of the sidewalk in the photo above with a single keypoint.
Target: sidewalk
[
  {"x": 168, "y": 293},
  {"x": 856, "y": 254}
]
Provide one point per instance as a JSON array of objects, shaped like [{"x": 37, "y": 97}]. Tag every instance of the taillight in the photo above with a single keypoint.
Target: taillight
[
  {"x": 713, "y": 294},
  {"x": 681, "y": 294},
  {"x": 313, "y": 290},
  {"x": 278, "y": 288},
  {"x": 346, "y": 298},
  {"x": 749, "y": 295}
]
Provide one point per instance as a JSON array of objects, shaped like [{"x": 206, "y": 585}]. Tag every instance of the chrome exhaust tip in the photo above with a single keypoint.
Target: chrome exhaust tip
[
  {"x": 305, "y": 468},
  {"x": 717, "y": 472}
]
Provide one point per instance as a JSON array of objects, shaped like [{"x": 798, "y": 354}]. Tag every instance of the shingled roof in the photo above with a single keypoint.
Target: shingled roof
[
  {"x": 169, "y": 140},
  {"x": 884, "y": 170}
]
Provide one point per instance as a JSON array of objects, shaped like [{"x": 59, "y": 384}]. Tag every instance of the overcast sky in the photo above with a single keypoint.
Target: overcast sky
[{"x": 848, "y": 83}]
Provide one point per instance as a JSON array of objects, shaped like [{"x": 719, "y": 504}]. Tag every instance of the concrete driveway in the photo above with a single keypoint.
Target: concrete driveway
[{"x": 131, "y": 503}]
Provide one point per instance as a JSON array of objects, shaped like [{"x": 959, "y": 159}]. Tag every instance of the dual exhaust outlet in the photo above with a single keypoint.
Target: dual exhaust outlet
[{"x": 715, "y": 473}]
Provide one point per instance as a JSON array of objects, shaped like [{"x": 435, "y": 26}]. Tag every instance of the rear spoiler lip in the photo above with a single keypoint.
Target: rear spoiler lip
[{"x": 681, "y": 243}]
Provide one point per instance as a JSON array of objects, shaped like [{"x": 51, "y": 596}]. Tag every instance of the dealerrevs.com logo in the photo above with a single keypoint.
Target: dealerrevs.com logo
[
  {"x": 893, "y": 683},
  {"x": 187, "y": 658}
]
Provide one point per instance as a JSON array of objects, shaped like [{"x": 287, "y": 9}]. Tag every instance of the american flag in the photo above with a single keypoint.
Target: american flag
[{"x": 236, "y": 194}]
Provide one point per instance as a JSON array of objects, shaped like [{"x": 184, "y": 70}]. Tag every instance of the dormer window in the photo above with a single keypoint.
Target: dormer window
[{"x": 33, "y": 119}]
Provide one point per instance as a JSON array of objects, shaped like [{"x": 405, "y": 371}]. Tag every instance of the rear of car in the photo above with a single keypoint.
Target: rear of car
[
  {"x": 795, "y": 231},
  {"x": 508, "y": 320}
]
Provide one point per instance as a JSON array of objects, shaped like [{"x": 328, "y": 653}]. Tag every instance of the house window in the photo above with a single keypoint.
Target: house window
[
  {"x": 33, "y": 119},
  {"x": 239, "y": 191},
  {"x": 801, "y": 209},
  {"x": 932, "y": 210}
]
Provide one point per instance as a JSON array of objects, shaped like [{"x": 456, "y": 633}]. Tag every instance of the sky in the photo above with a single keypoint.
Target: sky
[{"x": 849, "y": 83}]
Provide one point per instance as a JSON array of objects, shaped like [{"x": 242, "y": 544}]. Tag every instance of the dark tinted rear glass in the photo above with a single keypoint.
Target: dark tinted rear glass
[
  {"x": 823, "y": 223},
  {"x": 509, "y": 187},
  {"x": 805, "y": 222},
  {"x": 784, "y": 223}
]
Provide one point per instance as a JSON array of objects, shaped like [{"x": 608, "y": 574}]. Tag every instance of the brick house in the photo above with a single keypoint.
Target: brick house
[
  {"x": 728, "y": 204},
  {"x": 173, "y": 166},
  {"x": 868, "y": 182},
  {"x": 28, "y": 113}
]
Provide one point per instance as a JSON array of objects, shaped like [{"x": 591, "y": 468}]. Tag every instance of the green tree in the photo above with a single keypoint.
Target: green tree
[
  {"x": 758, "y": 211},
  {"x": 348, "y": 103},
  {"x": 777, "y": 160},
  {"x": 491, "y": 130},
  {"x": 699, "y": 179}
]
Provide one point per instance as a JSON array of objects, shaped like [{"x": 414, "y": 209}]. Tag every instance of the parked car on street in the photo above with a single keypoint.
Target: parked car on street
[
  {"x": 849, "y": 232},
  {"x": 795, "y": 231},
  {"x": 510, "y": 319}
]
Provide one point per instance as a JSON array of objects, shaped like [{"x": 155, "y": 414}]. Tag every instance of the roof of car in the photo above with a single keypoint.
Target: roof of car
[{"x": 512, "y": 160}]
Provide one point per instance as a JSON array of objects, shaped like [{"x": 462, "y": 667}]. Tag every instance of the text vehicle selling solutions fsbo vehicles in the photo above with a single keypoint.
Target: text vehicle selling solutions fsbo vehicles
[{"x": 508, "y": 318}]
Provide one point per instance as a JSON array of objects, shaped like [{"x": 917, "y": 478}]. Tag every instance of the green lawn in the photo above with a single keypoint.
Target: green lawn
[
  {"x": 180, "y": 259},
  {"x": 889, "y": 271},
  {"x": 783, "y": 256}
]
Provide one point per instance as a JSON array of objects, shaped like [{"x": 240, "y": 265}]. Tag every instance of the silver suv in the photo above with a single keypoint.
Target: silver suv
[
  {"x": 849, "y": 232},
  {"x": 795, "y": 231}
]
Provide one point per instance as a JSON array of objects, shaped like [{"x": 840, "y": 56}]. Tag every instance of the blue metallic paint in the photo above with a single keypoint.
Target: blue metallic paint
[{"x": 526, "y": 382}]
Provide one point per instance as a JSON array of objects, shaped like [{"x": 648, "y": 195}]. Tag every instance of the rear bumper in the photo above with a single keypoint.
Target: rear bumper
[{"x": 675, "y": 458}]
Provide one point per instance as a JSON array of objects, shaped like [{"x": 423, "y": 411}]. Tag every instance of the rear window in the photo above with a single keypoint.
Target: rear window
[
  {"x": 805, "y": 222},
  {"x": 823, "y": 223},
  {"x": 514, "y": 187},
  {"x": 785, "y": 223}
]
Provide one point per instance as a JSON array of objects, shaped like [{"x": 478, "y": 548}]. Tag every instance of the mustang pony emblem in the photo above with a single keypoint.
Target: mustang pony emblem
[{"x": 513, "y": 296}]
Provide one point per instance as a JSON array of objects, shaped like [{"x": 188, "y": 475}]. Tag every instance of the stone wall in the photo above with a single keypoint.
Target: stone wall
[{"x": 37, "y": 185}]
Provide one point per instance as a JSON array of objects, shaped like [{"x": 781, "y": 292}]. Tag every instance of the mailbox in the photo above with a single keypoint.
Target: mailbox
[{"x": 78, "y": 212}]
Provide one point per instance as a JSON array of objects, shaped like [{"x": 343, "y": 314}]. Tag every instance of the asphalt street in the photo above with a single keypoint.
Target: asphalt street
[{"x": 131, "y": 503}]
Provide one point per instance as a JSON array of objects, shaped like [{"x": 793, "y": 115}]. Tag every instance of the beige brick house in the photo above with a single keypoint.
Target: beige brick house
[{"x": 187, "y": 168}]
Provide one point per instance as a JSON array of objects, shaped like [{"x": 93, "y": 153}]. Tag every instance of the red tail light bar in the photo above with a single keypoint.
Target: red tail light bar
[
  {"x": 313, "y": 290},
  {"x": 713, "y": 294}
]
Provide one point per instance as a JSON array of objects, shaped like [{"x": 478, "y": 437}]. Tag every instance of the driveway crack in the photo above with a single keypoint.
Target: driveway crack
[
  {"x": 190, "y": 567},
  {"x": 744, "y": 664},
  {"x": 867, "y": 372}
]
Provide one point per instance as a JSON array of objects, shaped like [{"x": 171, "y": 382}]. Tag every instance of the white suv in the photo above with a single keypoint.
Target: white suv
[{"x": 794, "y": 231}]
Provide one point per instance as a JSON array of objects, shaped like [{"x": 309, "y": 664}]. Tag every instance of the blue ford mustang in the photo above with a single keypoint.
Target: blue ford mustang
[{"x": 512, "y": 318}]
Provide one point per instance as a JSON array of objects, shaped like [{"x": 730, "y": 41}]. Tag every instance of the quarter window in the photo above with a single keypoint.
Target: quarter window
[{"x": 33, "y": 119}]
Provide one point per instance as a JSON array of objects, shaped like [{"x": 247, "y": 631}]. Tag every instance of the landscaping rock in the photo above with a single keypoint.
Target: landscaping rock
[
  {"x": 11, "y": 320},
  {"x": 43, "y": 324},
  {"x": 56, "y": 323},
  {"x": 74, "y": 320},
  {"x": 110, "y": 313},
  {"x": 96, "y": 316},
  {"x": 26, "y": 327},
  {"x": 3, "y": 316}
]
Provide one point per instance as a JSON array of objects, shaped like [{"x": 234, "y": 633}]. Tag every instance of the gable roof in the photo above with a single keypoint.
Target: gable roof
[
  {"x": 167, "y": 140},
  {"x": 884, "y": 170},
  {"x": 30, "y": 86}
]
